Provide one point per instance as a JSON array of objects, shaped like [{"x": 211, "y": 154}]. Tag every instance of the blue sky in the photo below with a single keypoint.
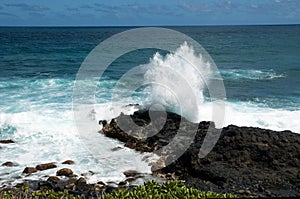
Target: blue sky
[{"x": 142, "y": 12}]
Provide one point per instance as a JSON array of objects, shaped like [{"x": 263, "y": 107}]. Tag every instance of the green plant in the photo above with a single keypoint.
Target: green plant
[
  {"x": 150, "y": 190},
  {"x": 24, "y": 194},
  {"x": 168, "y": 190}
]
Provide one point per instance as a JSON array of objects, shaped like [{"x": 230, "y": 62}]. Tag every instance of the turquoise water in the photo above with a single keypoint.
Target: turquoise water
[{"x": 260, "y": 66}]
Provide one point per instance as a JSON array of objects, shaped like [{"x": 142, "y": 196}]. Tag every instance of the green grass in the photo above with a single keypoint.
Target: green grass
[{"x": 151, "y": 189}]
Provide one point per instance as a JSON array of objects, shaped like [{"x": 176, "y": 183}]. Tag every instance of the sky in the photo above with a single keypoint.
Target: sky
[{"x": 147, "y": 13}]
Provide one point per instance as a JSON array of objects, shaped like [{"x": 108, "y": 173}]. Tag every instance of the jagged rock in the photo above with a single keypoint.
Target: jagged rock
[
  {"x": 6, "y": 141},
  {"x": 68, "y": 162},
  {"x": 262, "y": 162},
  {"x": 29, "y": 170},
  {"x": 64, "y": 172},
  {"x": 46, "y": 166}
]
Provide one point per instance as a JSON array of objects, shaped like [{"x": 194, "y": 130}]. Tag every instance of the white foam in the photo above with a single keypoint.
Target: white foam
[
  {"x": 253, "y": 115},
  {"x": 48, "y": 135},
  {"x": 252, "y": 74},
  {"x": 178, "y": 81}
]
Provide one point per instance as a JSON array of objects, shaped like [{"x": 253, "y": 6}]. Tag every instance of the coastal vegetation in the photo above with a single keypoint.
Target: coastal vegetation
[{"x": 151, "y": 189}]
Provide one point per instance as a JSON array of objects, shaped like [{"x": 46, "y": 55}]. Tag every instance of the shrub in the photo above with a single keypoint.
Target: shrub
[{"x": 168, "y": 190}]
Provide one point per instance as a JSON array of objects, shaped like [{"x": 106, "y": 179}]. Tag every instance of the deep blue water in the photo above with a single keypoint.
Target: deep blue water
[{"x": 258, "y": 63}]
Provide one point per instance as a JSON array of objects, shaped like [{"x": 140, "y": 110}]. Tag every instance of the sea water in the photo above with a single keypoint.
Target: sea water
[{"x": 259, "y": 65}]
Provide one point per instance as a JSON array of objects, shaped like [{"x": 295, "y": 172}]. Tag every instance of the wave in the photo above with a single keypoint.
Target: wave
[
  {"x": 238, "y": 74},
  {"x": 178, "y": 81}
]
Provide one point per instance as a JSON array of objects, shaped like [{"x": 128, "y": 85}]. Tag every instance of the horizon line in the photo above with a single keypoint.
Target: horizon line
[{"x": 178, "y": 25}]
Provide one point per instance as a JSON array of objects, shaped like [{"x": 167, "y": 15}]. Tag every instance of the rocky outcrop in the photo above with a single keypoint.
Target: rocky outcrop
[{"x": 245, "y": 161}]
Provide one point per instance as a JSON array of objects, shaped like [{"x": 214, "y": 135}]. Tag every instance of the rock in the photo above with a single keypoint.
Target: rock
[
  {"x": 80, "y": 180},
  {"x": 103, "y": 122},
  {"x": 46, "y": 166},
  {"x": 6, "y": 142},
  {"x": 68, "y": 162},
  {"x": 116, "y": 148},
  {"x": 131, "y": 173},
  {"x": 102, "y": 184},
  {"x": 45, "y": 185},
  {"x": 65, "y": 172},
  {"x": 257, "y": 161},
  {"x": 83, "y": 187},
  {"x": 123, "y": 184},
  {"x": 29, "y": 170},
  {"x": 70, "y": 186},
  {"x": 98, "y": 187},
  {"x": 8, "y": 164},
  {"x": 53, "y": 179}
]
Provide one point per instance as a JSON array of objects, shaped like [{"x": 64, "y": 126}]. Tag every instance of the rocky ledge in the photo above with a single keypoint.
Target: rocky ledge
[{"x": 245, "y": 161}]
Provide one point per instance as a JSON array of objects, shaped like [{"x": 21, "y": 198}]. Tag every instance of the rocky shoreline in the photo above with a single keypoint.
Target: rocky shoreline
[
  {"x": 245, "y": 161},
  {"x": 66, "y": 180}
]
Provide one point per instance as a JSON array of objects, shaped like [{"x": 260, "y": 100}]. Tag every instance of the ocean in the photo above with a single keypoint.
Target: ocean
[{"x": 259, "y": 65}]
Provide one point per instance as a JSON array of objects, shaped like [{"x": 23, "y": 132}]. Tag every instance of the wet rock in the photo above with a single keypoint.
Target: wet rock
[
  {"x": 44, "y": 186},
  {"x": 258, "y": 161},
  {"x": 29, "y": 170},
  {"x": 53, "y": 179},
  {"x": 70, "y": 186},
  {"x": 6, "y": 141},
  {"x": 102, "y": 184},
  {"x": 69, "y": 162},
  {"x": 80, "y": 180},
  {"x": 131, "y": 173},
  {"x": 65, "y": 172},
  {"x": 98, "y": 187},
  {"x": 122, "y": 184},
  {"x": 83, "y": 187},
  {"x": 8, "y": 164},
  {"x": 116, "y": 148},
  {"x": 46, "y": 166}
]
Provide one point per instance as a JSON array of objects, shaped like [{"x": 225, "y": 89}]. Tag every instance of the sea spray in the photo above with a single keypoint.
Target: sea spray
[{"x": 178, "y": 81}]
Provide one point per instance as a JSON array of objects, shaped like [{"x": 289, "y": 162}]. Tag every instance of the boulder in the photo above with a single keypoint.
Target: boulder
[
  {"x": 131, "y": 173},
  {"x": 65, "y": 172},
  {"x": 29, "y": 170},
  {"x": 46, "y": 166},
  {"x": 68, "y": 162},
  {"x": 8, "y": 164},
  {"x": 6, "y": 142}
]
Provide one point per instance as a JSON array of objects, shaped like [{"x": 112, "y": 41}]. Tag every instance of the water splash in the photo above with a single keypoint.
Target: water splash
[{"x": 178, "y": 81}]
